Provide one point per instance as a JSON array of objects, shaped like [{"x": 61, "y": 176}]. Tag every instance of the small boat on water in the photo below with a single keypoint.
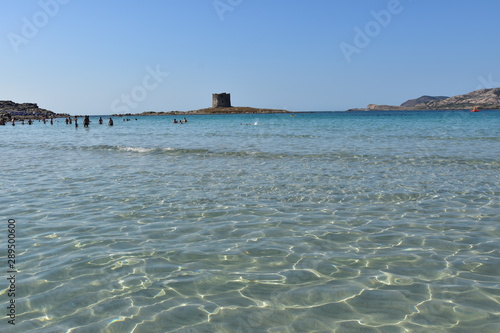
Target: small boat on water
[{"x": 475, "y": 109}]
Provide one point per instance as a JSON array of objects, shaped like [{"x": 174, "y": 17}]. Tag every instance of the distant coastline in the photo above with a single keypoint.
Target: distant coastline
[{"x": 482, "y": 99}]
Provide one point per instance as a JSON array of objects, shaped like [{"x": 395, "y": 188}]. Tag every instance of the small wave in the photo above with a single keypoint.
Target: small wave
[
  {"x": 145, "y": 150},
  {"x": 136, "y": 149},
  {"x": 182, "y": 151},
  {"x": 140, "y": 150}
]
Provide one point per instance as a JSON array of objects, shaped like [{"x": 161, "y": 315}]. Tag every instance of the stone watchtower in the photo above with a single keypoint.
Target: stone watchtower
[{"x": 221, "y": 100}]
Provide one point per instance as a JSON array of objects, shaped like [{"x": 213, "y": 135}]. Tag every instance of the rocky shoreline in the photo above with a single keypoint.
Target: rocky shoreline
[
  {"x": 482, "y": 99},
  {"x": 23, "y": 111}
]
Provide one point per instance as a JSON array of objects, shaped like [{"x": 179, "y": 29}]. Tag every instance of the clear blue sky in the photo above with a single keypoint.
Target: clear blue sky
[{"x": 102, "y": 56}]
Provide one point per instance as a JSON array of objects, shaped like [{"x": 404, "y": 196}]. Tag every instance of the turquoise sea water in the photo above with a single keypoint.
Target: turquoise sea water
[{"x": 322, "y": 222}]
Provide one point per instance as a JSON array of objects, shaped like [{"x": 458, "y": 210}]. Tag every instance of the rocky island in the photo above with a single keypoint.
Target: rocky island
[
  {"x": 482, "y": 99},
  {"x": 10, "y": 110},
  {"x": 220, "y": 110},
  {"x": 221, "y": 104}
]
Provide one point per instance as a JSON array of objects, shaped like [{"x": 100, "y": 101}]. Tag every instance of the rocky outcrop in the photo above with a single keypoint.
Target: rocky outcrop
[
  {"x": 218, "y": 110},
  {"x": 422, "y": 100},
  {"x": 9, "y": 109},
  {"x": 386, "y": 107},
  {"x": 234, "y": 110},
  {"x": 483, "y": 99}
]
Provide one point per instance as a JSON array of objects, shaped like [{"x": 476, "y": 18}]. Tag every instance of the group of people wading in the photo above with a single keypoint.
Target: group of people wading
[
  {"x": 181, "y": 121},
  {"x": 71, "y": 120},
  {"x": 86, "y": 121}
]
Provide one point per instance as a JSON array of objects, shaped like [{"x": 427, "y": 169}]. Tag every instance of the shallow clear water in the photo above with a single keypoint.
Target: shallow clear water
[{"x": 324, "y": 222}]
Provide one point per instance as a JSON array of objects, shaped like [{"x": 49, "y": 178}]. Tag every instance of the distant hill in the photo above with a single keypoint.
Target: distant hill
[
  {"x": 482, "y": 98},
  {"x": 422, "y": 100},
  {"x": 9, "y": 109}
]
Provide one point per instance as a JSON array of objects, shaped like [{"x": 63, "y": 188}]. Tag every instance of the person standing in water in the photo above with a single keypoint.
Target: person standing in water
[
  {"x": 110, "y": 122},
  {"x": 86, "y": 121}
]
